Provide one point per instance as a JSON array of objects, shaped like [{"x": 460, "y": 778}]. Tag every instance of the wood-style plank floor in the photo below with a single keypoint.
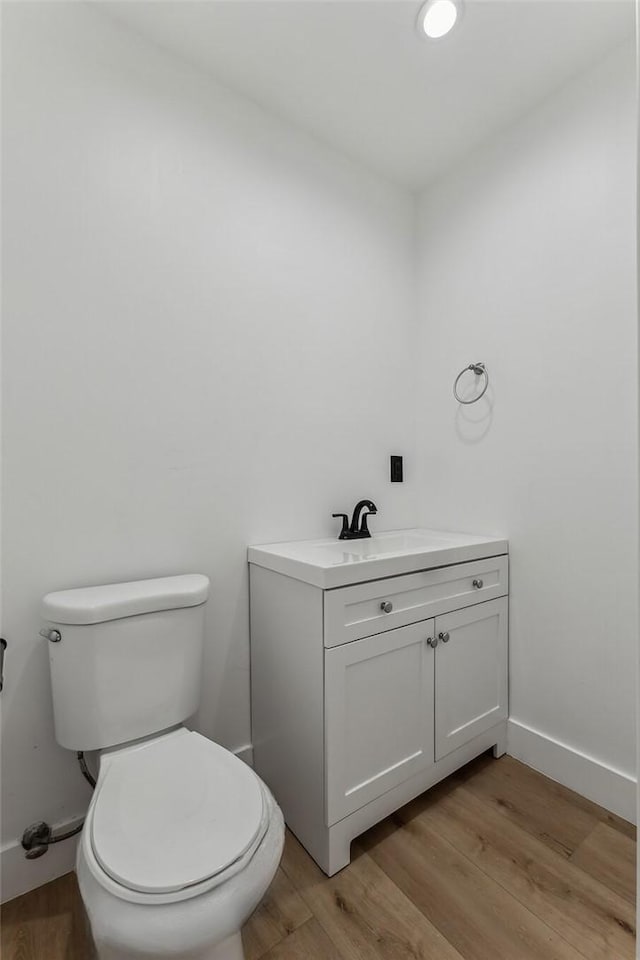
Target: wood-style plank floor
[{"x": 496, "y": 863}]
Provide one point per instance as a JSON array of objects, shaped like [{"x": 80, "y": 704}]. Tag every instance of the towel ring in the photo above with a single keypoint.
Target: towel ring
[{"x": 480, "y": 371}]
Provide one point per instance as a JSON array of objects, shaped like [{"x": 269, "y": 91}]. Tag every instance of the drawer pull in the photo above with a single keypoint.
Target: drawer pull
[
  {"x": 444, "y": 637},
  {"x": 478, "y": 584},
  {"x": 386, "y": 606},
  {"x": 432, "y": 641}
]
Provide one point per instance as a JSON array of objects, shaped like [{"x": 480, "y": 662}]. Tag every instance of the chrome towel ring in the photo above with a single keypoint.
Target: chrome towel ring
[{"x": 480, "y": 371}]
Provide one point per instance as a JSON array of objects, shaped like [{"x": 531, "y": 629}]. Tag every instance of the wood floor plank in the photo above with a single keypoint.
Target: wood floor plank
[
  {"x": 508, "y": 767},
  {"x": 473, "y": 912},
  {"x": 281, "y": 912},
  {"x": 534, "y": 803},
  {"x": 308, "y": 942},
  {"x": 365, "y": 914},
  {"x": 610, "y": 857},
  {"x": 597, "y": 921},
  {"x": 47, "y": 923}
]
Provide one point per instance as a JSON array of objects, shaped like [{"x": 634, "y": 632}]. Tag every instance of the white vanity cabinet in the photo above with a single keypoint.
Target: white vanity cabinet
[{"x": 366, "y": 693}]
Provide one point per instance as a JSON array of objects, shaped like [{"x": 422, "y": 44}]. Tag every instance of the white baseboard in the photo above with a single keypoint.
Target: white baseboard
[
  {"x": 19, "y": 875},
  {"x": 245, "y": 753},
  {"x": 611, "y": 788}
]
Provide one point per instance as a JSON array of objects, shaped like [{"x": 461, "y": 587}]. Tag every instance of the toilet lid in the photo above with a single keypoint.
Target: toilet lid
[{"x": 175, "y": 813}]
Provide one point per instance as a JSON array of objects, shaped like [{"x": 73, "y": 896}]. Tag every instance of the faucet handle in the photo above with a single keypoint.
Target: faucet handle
[{"x": 345, "y": 525}]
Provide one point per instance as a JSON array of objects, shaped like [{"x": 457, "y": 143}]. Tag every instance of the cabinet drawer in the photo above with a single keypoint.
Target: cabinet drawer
[{"x": 354, "y": 612}]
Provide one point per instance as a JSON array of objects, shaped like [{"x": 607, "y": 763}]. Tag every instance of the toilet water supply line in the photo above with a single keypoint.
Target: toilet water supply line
[
  {"x": 37, "y": 838},
  {"x": 86, "y": 773}
]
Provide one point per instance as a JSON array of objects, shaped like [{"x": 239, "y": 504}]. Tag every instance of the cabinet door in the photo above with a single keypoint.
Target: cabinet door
[
  {"x": 378, "y": 715},
  {"x": 471, "y": 673}
]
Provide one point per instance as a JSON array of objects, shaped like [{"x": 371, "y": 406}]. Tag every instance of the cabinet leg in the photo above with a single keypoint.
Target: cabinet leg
[
  {"x": 338, "y": 850},
  {"x": 500, "y": 748}
]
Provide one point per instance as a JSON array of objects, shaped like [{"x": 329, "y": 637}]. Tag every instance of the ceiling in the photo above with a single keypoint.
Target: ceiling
[{"x": 356, "y": 74}]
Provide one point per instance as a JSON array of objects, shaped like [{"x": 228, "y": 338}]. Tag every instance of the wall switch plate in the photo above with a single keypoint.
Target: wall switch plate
[{"x": 396, "y": 469}]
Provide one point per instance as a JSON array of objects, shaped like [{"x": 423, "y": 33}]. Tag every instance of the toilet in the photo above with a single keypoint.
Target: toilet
[{"x": 181, "y": 839}]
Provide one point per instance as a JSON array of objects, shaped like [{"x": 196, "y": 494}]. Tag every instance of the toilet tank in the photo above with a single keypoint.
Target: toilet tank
[{"x": 128, "y": 661}]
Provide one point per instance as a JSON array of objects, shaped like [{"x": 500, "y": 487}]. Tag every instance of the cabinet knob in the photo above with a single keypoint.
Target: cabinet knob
[
  {"x": 444, "y": 637},
  {"x": 478, "y": 584},
  {"x": 386, "y": 606},
  {"x": 432, "y": 641}
]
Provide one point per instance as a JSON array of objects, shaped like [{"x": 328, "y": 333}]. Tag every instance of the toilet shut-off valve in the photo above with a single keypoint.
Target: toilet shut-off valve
[{"x": 36, "y": 839}]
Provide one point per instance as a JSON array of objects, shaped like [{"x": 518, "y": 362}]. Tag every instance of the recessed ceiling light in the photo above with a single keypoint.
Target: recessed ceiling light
[{"x": 437, "y": 18}]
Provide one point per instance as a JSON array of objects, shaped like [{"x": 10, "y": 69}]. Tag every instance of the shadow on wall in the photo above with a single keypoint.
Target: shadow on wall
[{"x": 473, "y": 421}]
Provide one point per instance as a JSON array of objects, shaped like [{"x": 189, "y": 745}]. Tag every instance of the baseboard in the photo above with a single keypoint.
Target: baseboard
[
  {"x": 19, "y": 875},
  {"x": 245, "y": 753},
  {"x": 611, "y": 788}
]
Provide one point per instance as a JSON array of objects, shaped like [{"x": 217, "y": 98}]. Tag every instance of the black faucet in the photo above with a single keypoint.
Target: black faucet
[{"x": 358, "y": 529}]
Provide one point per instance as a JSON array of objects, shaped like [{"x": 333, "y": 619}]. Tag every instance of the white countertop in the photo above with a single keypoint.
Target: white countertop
[{"x": 337, "y": 563}]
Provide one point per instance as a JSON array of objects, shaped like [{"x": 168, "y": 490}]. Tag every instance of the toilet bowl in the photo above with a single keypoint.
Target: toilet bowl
[
  {"x": 180, "y": 844},
  {"x": 181, "y": 839}
]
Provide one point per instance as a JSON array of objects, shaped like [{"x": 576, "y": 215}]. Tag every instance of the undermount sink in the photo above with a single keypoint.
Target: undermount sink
[{"x": 335, "y": 563}]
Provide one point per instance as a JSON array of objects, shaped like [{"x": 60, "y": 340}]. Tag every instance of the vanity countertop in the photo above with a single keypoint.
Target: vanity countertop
[{"x": 337, "y": 563}]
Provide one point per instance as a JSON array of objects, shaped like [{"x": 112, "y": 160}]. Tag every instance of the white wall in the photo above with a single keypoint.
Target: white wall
[
  {"x": 637, "y": 13},
  {"x": 192, "y": 292},
  {"x": 527, "y": 262}
]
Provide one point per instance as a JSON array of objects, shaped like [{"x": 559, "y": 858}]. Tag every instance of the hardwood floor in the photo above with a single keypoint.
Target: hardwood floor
[{"x": 496, "y": 863}]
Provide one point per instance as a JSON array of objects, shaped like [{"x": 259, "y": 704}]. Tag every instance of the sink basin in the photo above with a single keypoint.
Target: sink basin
[
  {"x": 336, "y": 563},
  {"x": 380, "y": 545}
]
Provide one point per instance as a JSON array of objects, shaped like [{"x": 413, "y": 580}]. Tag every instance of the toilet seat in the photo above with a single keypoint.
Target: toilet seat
[{"x": 175, "y": 813}]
